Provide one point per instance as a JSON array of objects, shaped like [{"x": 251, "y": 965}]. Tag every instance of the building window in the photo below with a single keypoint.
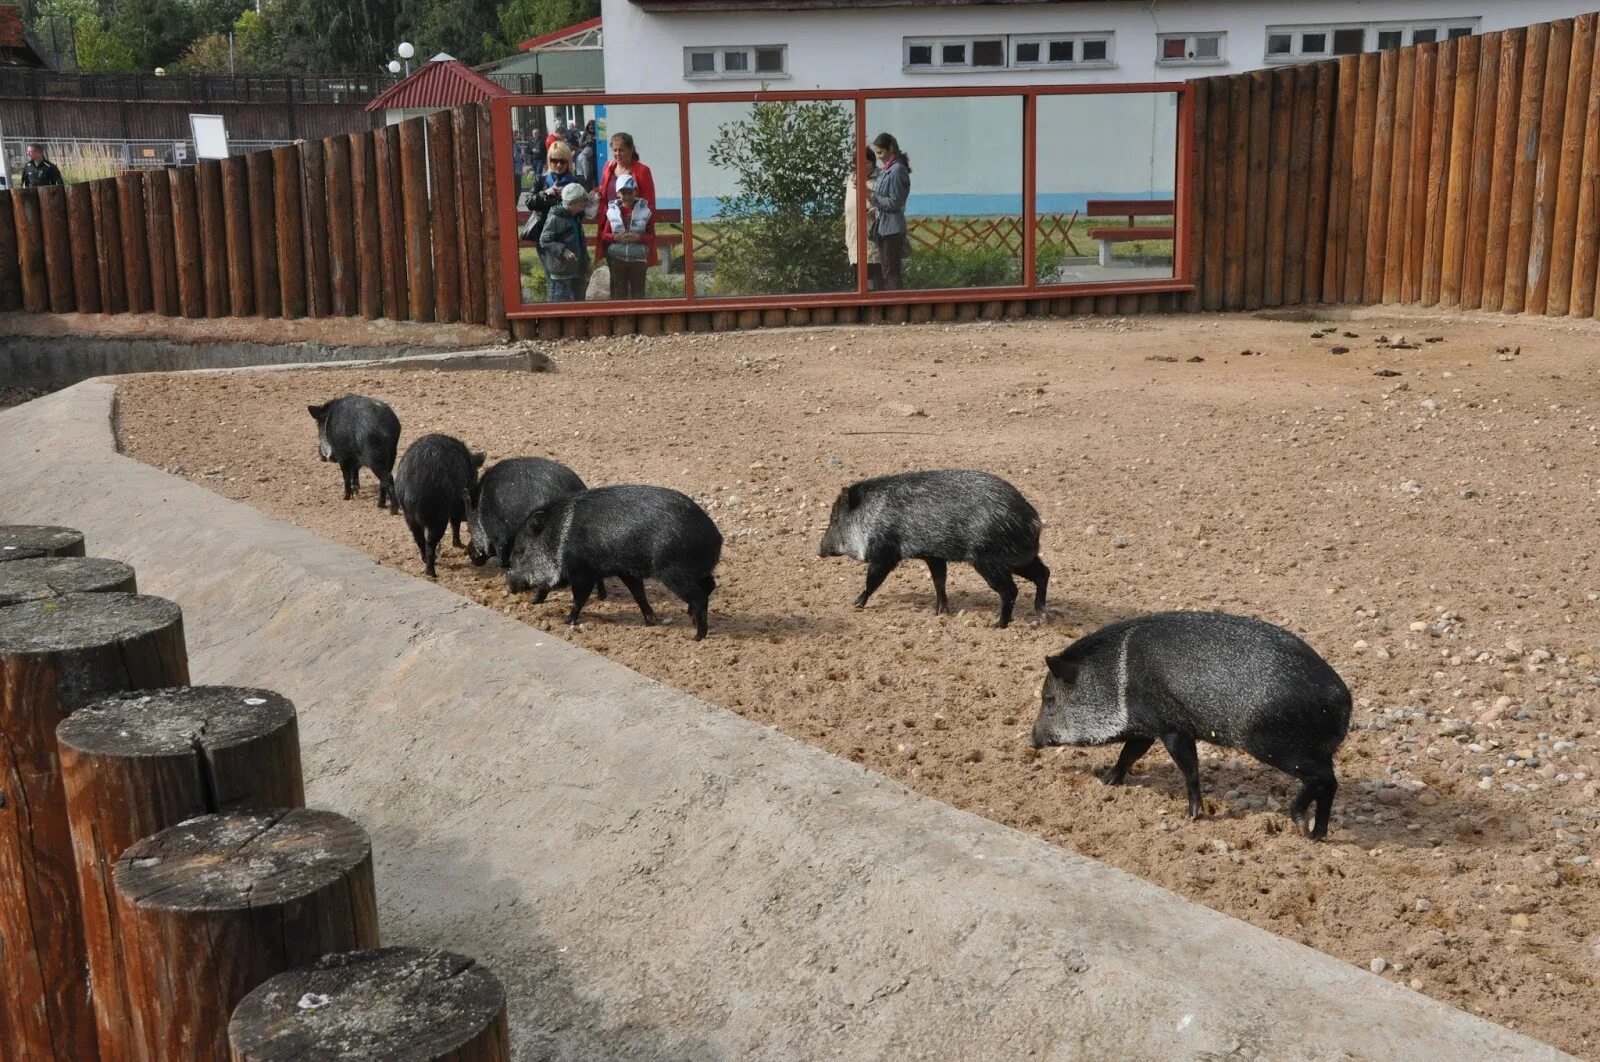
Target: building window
[
  {"x": 736, "y": 62},
  {"x": 1293, "y": 43},
  {"x": 1001, "y": 53},
  {"x": 1191, "y": 49}
]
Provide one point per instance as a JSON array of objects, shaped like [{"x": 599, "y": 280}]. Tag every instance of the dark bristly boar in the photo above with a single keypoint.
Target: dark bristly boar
[
  {"x": 510, "y": 491},
  {"x": 631, "y": 532},
  {"x": 436, "y": 481},
  {"x": 939, "y": 517},
  {"x": 354, "y": 431},
  {"x": 1178, "y": 677}
]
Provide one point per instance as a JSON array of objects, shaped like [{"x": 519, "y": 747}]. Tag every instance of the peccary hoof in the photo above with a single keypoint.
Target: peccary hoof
[{"x": 1111, "y": 777}]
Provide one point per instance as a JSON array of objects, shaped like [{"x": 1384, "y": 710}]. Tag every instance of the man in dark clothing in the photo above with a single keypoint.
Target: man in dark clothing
[{"x": 39, "y": 171}]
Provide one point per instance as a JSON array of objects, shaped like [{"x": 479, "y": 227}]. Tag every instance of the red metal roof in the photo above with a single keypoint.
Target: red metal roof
[
  {"x": 439, "y": 83},
  {"x": 560, "y": 34}
]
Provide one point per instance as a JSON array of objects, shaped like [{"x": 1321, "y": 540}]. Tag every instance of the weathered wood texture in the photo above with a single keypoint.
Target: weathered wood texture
[
  {"x": 391, "y": 1002},
  {"x": 56, "y": 655},
  {"x": 38, "y": 578},
  {"x": 280, "y": 888},
  {"x": 137, "y": 763},
  {"x": 23, "y": 541}
]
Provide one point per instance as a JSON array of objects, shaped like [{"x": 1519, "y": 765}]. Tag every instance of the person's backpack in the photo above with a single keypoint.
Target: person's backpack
[{"x": 535, "y": 224}]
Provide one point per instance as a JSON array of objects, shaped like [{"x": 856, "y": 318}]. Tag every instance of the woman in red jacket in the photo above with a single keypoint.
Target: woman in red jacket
[{"x": 624, "y": 162}]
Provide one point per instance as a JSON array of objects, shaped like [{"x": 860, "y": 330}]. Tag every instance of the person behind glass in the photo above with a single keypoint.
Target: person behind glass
[
  {"x": 562, "y": 248},
  {"x": 38, "y": 171},
  {"x": 874, "y": 270},
  {"x": 624, "y": 162},
  {"x": 630, "y": 238},
  {"x": 889, "y": 201},
  {"x": 583, "y": 160}
]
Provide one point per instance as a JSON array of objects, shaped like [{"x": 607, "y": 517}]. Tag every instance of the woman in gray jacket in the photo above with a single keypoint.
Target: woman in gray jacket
[{"x": 888, "y": 200}]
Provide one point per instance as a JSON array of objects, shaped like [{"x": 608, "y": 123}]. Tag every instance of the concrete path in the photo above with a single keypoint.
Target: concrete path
[{"x": 655, "y": 878}]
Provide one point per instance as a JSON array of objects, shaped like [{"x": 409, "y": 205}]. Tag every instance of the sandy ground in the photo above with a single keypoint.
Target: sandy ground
[{"x": 1431, "y": 531}]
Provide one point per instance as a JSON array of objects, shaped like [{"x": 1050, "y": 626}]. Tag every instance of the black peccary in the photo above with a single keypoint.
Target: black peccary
[
  {"x": 1182, "y": 676},
  {"x": 509, "y": 492},
  {"x": 938, "y": 517},
  {"x": 436, "y": 481},
  {"x": 356, "y": 430},
  {"x": 632, "y": 532}
]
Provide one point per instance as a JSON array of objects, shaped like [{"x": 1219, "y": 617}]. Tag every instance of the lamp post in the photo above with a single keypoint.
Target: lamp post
[{"x": 405, "y": 51}]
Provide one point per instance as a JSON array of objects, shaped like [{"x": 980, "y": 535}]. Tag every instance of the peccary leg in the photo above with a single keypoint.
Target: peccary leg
[
  {"x": 1037, "y": 574},
  {"x": 455, "y": 533},
  {"x": 695, "y": 590},
  {"x": 878, "y": 570},
  {"x": 1132, "y": 749},
  {"x": 1182, "y": 749},
  {"x": 600, "y": 589},
  {"x": 432, "y": 557},
  {"x": 936, "y": 568},
  {"x": 352, "y": 477},
  {"x": 1317, "y": 783},
  {"x": 635, "y": 587},
  {"x": 422, "y": 543},
  {"x": 1000, "y": 582},
  {"x": 386, "y": 492},
  {"x": 582, "y": 585}
]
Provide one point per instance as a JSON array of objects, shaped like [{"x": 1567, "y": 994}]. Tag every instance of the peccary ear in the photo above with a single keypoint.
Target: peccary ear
[
  {"x": 318, "y": 412},
  {"x": 852, "y": 496},
  {"x": 478, "y": 459},
  {"x": 1062, "y": 669}
]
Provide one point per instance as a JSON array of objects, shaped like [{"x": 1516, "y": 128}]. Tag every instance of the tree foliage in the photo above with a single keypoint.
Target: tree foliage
[
  {"x": 784, "y": 226},
  {"x": 521, "y": 20}
]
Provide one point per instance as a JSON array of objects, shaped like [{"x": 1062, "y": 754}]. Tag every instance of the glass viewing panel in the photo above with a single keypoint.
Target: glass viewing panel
[
  {"x": 963, "y": 214},
  {"x": 1105, "y": 188},
  {"x": 652, "y": 268},
  {"x": 771, "y": 182}
]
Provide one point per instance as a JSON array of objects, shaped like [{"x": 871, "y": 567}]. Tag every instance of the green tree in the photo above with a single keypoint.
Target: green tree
[
  {"x": 784, "y": 228},
  {"x": 257, "y": 47},
  {"x": 521, "y": 20},
  {"x": 99, "y": 49}
]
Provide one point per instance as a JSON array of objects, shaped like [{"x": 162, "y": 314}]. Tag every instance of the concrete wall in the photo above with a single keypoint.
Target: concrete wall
[
  {"x": 655, "y": 878},
  {"x": 845, "y": 48}
]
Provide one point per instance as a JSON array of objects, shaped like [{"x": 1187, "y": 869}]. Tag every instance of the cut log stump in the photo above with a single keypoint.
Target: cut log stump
[
  {"x": 24, "y": 541},
  {"x": 214, "y": 906},
  {"x": 136, "y": 763},
  {"x": 393, "y": 1003},
  {"x": 38, "y": 578}
]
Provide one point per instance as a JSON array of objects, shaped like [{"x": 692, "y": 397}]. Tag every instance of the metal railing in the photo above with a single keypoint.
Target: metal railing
[{"x": 51, "y": 84}]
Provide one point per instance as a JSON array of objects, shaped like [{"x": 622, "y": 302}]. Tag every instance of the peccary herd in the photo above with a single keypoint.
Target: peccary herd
[{"x": 1176, "y": 677}]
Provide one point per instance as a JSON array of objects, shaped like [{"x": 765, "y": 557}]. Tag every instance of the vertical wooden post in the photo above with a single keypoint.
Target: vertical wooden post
[
  {"x": 1464, "y": 107},
  {"x": 1529, "y": 110},
  {"x": 263, "y": 233},
  {"x": 494, "y": 296},
  {"x": 1374, "y": 268},
  {"x": 10, "y": 264},
  {"x": 1482, "y": 164},
  {"x": 1238, "y": 156},
  {"x": 391, "y": 245},
  {"x": 389, "y": 1000},
  {"x": 1280, "y": 148},
  {"x": 1564, "y": 229},
  {"x": 57, "y": 237},
  {"x": 159, "y": 235},
  {"x": 1199, "y": 100},
  {"x": 137, "y": 763},
  {"x": 314, "y": 228},
  {"x": 28, "y": 541},
  {"x": 108, "y": 236},
  {"x": 55, "y": 655},
  {"x": 135, "y": 242},
  {"x": 188, "y": 245},
  {"x": 1547, "y": 169},
  {"x": 1322, "y": 122},
  {"x": 419, "y": 240},
  {"x": 364, "y": 208},
  {"x": 213, "y": 236},
  {"x": 1256, "y": 198},
  {"x": 236, "y": 228},
  {"x": 291, "y": 231},
  {"x": 40, "y": 578},
  {"x": 1344, "y": 140},
  {"x": 281, "y": 887},
  {"x": 1361, "y": 166},
  {"x": 1423, "y": 98},
  {"x": 1220, "y": 107},
  {"x": 1394, "y": 242},
  {"x": 1295, "y": 221},
  {"x": 80, "y": 227},
  {"x": 1444, "y": 99},
  {"x": 341, "y": 227},
  {"x": 30, "y": 250},
  {"x": 442, "y": 201},
  {"x": 1586, "y": 252},
  {"x": 1503, "y": 169},
  {"x": 469, "y": 234}
]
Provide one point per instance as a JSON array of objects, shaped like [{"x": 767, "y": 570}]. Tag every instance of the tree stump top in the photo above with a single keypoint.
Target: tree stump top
[
  {"x": 241, "y": 860},
  {"x": 74, "y": 622},
  {"x": 390, "y": 1003},
  {"x": 38, "y": 578},
  {"x": 22, "y": 541},
  {"x": 174, "y": 721}
]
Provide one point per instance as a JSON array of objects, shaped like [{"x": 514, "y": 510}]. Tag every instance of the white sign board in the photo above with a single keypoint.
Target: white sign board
[
  {"x": 5, "y": 167},
  {"x": 210, "y": 136}
]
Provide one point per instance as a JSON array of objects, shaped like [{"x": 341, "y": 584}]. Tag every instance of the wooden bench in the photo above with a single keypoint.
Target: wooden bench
[
  {"x": 1131, "y": 209},
  {"x": 665, "y": 241}
]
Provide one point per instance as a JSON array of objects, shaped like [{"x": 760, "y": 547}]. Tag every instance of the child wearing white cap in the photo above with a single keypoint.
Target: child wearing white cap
[{"x": 632, "y": 232}]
